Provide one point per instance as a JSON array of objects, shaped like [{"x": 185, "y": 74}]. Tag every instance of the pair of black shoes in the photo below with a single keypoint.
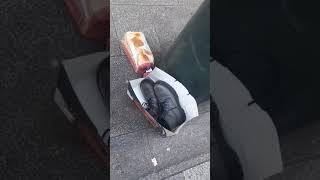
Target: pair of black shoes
[{"x": 163, "y": 103}]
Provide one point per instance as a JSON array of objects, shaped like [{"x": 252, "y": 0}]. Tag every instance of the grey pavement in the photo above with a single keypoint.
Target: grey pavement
[
  {"x": 178, "y": 169},
  {"x": 134, "y": 143},
  {"x": 199, "y": 172}
]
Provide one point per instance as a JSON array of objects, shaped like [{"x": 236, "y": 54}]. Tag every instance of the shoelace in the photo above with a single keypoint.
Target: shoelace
[{"x": 147, "y": 105}]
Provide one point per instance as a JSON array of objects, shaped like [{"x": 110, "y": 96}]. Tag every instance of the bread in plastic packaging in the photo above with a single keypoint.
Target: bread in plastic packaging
[{"x": 138, "y": 52}]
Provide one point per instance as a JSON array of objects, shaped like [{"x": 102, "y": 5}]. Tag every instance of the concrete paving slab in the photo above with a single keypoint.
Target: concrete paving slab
[
  {"x": 169, "y": 22},
  {"x": 192, "y": 3},
  {"x": 146, "y": 2},
  {"x": 124, "y": 116},
  {"x": 178, "y": 168},
  {"x": 128, "y": 119},
  {"x": 121, "y": 69},
  {"x": 201, "y": 171},
  {"x": 130, "y": 156},
  {"x": 192, "y": 141},
  {"x": 179, "y": 176},
  {"x": 135, "y": 18}
]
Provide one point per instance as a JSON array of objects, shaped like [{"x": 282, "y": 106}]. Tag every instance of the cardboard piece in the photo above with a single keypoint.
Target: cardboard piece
[{"x": 187, "y": 101}]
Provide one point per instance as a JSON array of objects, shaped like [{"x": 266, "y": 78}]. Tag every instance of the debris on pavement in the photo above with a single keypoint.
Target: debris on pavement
[{"x": 154, "y": 161}]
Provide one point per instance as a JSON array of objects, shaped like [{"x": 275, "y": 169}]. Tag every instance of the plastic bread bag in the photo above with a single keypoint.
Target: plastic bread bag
[{"x": 138, "y": 52}]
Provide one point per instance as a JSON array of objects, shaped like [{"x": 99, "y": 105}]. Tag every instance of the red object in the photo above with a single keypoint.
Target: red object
[{"x": 92, "y": 18}]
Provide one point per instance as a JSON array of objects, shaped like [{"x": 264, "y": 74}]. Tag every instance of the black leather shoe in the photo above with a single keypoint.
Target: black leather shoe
[
  {"x": 171, "y": 114},
  {"x": 147, "y": 90}
]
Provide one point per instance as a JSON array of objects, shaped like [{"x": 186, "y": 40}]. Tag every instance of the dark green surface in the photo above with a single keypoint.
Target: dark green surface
[{"x": 188, "y": 58}]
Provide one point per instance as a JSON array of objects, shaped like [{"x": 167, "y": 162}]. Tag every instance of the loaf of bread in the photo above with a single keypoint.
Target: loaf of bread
[{"x": 138, "y": 52}]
